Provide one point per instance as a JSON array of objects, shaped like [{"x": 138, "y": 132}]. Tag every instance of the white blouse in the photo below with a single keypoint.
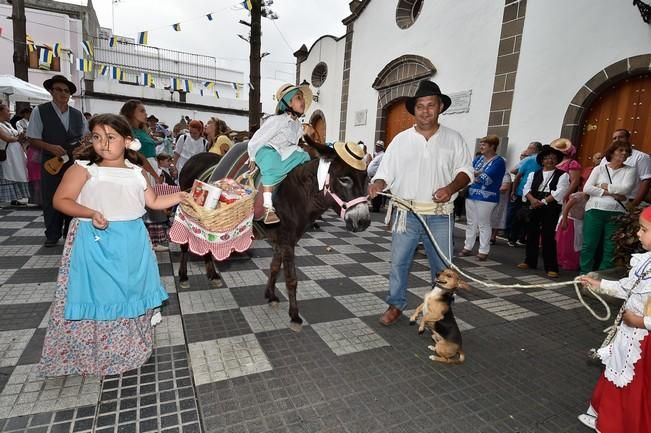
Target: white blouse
[
  {"x": 117, "y": 193},
  {"x": 623, "y": 181},
  {"x": 282, "y": 132},
  {"x": 561, "y": 186}
]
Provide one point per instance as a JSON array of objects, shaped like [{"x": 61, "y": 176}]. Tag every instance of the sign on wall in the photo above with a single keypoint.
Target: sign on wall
[
  {"x": 460, "y": 102},
  {"x": 360, "y": 117}
]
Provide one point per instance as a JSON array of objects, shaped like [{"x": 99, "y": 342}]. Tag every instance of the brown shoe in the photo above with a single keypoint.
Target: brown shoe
[
  {"x": 390, "y": 316},
  {"x": 270, "y": 216},
  {"x": 482, "y": 257},
  {"x": 465, "y": 253}
]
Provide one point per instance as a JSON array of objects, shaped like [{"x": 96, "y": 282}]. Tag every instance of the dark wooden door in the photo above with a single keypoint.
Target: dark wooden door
[
  {"x": 398, "y": 119},
  {"x": 623, "y": 105},
  {"x": 320, "y": 126}
]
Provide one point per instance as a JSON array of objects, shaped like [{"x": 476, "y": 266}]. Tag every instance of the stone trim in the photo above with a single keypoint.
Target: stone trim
[
  {"x": 590, "y": 91},
  {"x": 508, "y": 56},
  {"x": 345, "y": 82},
  {"x": 408, "y": 67},
  {"x": 386, "y": 97}
]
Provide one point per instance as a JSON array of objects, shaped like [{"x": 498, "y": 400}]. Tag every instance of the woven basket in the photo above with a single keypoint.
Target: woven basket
[{"x": 227, "y": 216}]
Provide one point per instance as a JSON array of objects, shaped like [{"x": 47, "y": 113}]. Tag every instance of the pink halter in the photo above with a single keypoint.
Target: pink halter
[{"x": 343, "y": 205}]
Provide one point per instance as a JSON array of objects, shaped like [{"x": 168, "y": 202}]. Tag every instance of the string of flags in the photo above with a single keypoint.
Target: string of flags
[{"x": 86, "y": 64}]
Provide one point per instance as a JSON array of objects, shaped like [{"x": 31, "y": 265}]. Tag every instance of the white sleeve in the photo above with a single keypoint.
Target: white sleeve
[
  {"x": 263, "y": 135},
  {"x": 527, "y": 186},
  {"x": 643, "y": 167},
  {"x": 180, "y": 143},
  {"x": 463, "y": 161},
  {"x": 386, "y": 170},
  {"x": 590, "y": 187},
  {"x": 561, "y": 188},
  {"x": 614, "y": 288},
  {"x": 627, "y": 183},
  {"x": 35, "y": 127}
]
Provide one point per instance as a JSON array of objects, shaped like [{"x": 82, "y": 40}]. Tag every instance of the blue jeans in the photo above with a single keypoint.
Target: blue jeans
[{"x": 403, "y": 247}]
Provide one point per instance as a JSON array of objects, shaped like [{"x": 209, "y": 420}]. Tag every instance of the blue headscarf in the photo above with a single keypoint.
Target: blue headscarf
[{"x": 283, "y": 105}]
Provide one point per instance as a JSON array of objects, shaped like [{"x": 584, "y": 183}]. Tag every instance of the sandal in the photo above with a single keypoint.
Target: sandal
[
  {"x": 482, "y": 257},
  {"x": 270, "y": 216}
]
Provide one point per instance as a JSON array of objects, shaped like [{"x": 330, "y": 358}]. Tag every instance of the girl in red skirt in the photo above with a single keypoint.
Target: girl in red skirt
[{"x": 621, "y": 401}]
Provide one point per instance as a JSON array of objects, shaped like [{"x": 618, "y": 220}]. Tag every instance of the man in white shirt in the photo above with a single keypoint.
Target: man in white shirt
[
  {"x": 642, "y": 163},
  {"x": 426, "y": 165},
  {"x": 190, "y": 144}
]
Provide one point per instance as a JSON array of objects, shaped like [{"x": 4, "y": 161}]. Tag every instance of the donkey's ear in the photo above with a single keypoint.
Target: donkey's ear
[{"x": 323, "y": 150}]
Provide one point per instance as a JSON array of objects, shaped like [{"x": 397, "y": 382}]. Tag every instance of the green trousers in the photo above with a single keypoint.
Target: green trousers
[{"x": 597, "y": 225}]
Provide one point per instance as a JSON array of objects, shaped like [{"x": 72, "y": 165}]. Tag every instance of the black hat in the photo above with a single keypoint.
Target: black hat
[
  {"x": 548, "y": 150},
  {"x": 427, "y": 88},
  {"x": 49, "y": 83},
  {"x": 152, "y": 117}
]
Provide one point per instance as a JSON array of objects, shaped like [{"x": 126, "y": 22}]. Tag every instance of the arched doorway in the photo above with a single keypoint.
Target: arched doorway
[
  {"x": 397, "y": 120},
  {"x": 317, "y": 120},
  {"x": 625, "y": 104}
]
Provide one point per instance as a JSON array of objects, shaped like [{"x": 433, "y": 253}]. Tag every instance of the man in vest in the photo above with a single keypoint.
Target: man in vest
[{"x": 56, "y": 129}]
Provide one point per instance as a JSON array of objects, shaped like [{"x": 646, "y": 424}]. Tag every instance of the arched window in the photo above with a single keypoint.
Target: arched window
[
  {"x": 407, "y": 12},
  {"x": 319, "y": 74}
]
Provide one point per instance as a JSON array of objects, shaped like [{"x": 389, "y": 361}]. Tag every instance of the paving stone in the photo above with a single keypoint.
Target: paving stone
[
  {"x": 227, "y": 358},
  {"x": 306, "y": 290},
  {"x": 27, "y": 393},
  {"x": 263, "y": 318},
  {"x": 169, "y": 332},
  {"x": 244, "y": 278},
  {"x": 42, "y": 262},
  {"x": 557, "y": 299},
  {"x": 363, "y": 304},
  {"x": 321, "y": 272},
  {"x": 503, "y": 308},
  {"x": 22, "y": 316},
  {"x": 12, "y": 345},
  {"x": 27, "y": 293},
  {"x": 206, "y": 300},
  {"x": 215, "y": 325},
  {"x": 348, "y": 336}
]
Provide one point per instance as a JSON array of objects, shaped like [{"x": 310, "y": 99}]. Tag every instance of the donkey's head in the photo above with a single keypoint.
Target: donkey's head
[{"x": 346, "y": 183}]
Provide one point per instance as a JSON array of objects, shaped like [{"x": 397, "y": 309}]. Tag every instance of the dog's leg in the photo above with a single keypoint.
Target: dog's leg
[{"x": 412, "y": 319}]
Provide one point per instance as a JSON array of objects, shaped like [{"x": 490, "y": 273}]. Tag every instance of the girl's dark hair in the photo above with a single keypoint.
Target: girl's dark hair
[
  {"x": 127, "y": 111},
  {"x": 120, "y": 125},
  {"x": 618, "y": 145}
]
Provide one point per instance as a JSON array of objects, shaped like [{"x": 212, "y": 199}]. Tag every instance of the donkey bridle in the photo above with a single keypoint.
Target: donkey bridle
[{"x": 343, "y": 205}]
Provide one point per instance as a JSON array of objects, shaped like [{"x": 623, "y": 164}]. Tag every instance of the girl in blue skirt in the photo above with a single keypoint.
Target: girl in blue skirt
[
  {"x": 108, "y": 283},
  {"x": 274, "y": 147}
]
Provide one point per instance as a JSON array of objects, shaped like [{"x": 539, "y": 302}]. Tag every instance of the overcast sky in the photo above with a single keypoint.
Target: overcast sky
[{"x": 300, "y": 22}]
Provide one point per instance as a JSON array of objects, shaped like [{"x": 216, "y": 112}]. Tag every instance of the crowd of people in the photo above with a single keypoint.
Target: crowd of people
[
  {"x": 37, "y": 147},
  {"x": 549, "y": 203}
]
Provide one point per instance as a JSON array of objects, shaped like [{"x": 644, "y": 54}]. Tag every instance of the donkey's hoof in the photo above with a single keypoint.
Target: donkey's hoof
[
  {"x": 217, "y": 283},
  {"x": 185, "y": 284},
  {"x": 296, "y": 327}
]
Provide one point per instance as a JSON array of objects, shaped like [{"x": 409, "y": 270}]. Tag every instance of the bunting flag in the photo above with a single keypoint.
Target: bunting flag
[
  {"x": 44, "y": 58},
  {"x": 31, "y": 46},
  {"x": 177, "y": 27},
  {"x": 84, "y": 65},
  {"x": 247, "y": 5},
  {"x": 186, "y": 86},
  {"x": 209, "y": 16},
  {"x": 113, "y": 41},
  {"x": 56, "y": 50},
  {"x": 143, "y": 38},
  {"x": 147, "y": 79},
  {"x": 71, "y": 57},
  {"x": 105, "y": 70},
  {"x": 117, "y": 73},
  {"x": 216, "y": 94},
  {"x": 88, "y": 48},
  {"x": 208, "y": 85},
  {"x": 175, "y": 84},
  {"x": 236, "y": 86},
  {"x": 251, "y": 87}
]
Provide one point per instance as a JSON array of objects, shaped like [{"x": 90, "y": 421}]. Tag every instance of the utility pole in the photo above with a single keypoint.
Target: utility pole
[
  {"x": 20, "y": 44},
  {"x": 255, "y": 109}
]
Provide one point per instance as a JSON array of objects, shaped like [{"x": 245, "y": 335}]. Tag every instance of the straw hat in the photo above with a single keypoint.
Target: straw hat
[
  {"x": 564, "y": 146},
  {"x": 352, "y": 154},
  {"x": 286, "y": 88}
]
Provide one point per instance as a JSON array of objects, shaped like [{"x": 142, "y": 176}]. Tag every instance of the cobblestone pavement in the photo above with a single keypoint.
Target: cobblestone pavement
[{"x": 225, "y": 361}]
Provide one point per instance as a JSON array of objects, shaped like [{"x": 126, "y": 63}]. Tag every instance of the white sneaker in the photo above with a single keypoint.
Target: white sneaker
[
  {"x": 161, "y": 248},
  {"x": 588, "y": 420},
  {"x": 156, "y": 318}
]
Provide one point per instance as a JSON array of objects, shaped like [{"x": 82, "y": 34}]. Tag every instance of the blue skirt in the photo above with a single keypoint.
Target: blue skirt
[
  {"x": 273, "y": 169},
  {"x": 113, "y": 273}
]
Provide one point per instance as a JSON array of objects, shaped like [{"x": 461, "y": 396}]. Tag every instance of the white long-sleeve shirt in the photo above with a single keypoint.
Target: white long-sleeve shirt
[
  {"x": 414, "y": 168},
  {"x": 561, "y": 186},
  {"x": 641, "y": 161},
  {"x": 281, "y": 132},
  {"x": 623, "y": 182}
]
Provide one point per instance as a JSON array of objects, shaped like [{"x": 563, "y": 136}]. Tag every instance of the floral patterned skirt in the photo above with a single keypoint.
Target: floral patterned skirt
[{"x": 90, "y": 347}]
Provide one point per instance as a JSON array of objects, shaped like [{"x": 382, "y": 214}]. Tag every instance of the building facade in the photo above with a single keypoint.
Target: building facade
[
  {"x": 215, "y": 90},
  {"x": 523, "y": 70}
]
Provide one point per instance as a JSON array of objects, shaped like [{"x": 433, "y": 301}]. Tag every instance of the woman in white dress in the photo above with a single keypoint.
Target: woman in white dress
[{"x": 13, "y": 179}]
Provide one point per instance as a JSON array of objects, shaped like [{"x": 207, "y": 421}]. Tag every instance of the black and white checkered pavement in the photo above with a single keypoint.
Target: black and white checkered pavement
[{"x": 225, "y": 360}]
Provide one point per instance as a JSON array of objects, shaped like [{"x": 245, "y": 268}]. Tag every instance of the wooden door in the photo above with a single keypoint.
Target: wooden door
[
  {"x": 398, "y": 119},
  {"x": 623, "y": 105},
  {"x": 320, "y": 126}
]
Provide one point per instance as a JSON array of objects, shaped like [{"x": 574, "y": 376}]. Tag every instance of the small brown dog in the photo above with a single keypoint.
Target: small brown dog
[{"x": 438, "y": 317}]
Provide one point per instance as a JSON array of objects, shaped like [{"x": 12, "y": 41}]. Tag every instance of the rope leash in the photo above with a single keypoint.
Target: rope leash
[{"x": 574, "y": 282}]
